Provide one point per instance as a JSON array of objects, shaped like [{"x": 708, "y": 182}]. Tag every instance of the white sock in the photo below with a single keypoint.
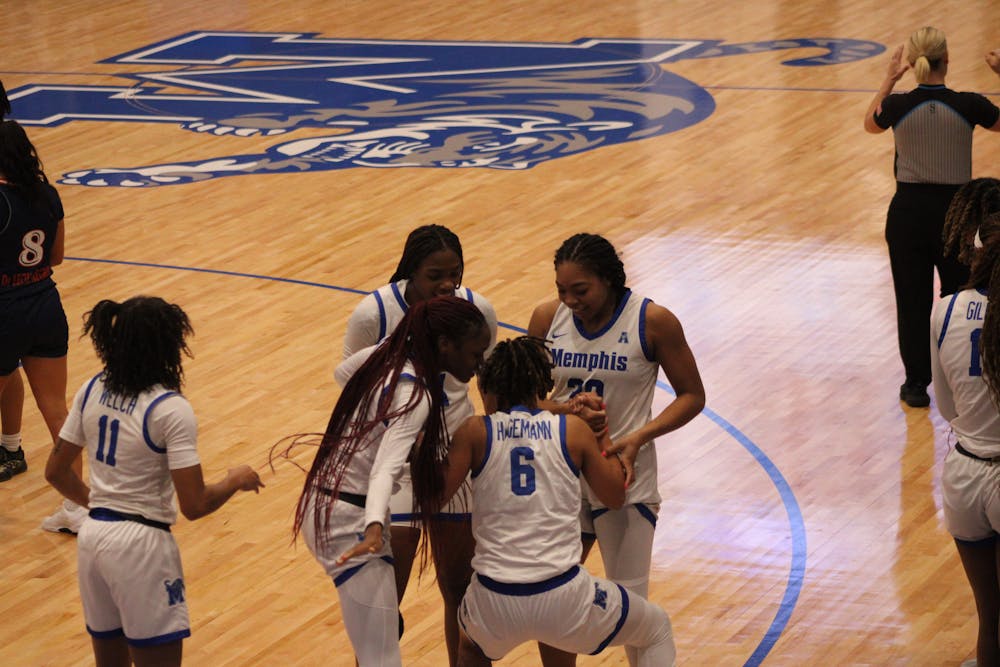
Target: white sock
[
  {"x": 70, "y": 506},
  {"x": 10, "y": 441}
]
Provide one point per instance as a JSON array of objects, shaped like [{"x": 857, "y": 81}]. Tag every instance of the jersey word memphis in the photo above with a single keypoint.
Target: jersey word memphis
[{"x": 590, "y": 360}]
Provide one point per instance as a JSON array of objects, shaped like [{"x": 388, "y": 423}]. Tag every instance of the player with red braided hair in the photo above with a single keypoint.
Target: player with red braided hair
[{"x": 393, "y": 398}]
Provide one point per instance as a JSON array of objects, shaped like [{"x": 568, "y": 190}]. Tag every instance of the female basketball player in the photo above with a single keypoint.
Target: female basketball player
[
  {"x": 965, "y": 355},
  {"x": 140, "y": 435},
  {"x": 526, "y": 465},
  {"x": 932, "y": 127},
  {"x": 608, "y": 345},
  {"x": 431, "y": 265},
  {"x": 12, "y": 395},
  {"x": 33, "y": 327},
  {"x": 395, "y": 397}
]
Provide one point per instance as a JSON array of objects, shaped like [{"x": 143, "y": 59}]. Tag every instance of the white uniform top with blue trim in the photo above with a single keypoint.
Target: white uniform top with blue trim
[
  {"x": 380, "y": 312},
  {"x": 616, "y": 364},
  {"x": 132, "y": 445},
  {"x": 527, "y": 498},
  {"x": 962, "y": 395}
]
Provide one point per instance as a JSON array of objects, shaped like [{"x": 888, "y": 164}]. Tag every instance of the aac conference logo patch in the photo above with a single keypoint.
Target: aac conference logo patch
[{"x": 390, "y": 104}]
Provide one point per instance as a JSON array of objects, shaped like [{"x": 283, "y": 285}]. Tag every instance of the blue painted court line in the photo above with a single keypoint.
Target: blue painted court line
[{"x": 797, "y": 525}]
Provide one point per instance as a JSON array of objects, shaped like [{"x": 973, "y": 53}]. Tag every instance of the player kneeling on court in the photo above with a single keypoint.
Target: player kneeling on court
[
  {"x": 526, "y": 464},
  {"x": 140, "y": 435}
]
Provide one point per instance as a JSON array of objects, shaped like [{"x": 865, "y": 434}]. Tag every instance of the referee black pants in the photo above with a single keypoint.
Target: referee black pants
[{"x": 913, "y": 231}]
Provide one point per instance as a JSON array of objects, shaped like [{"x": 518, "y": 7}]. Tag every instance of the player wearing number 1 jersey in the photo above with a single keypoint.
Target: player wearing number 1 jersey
[
  {"x": 608, "y": 345},
  {"x": 965, "y": 363}
]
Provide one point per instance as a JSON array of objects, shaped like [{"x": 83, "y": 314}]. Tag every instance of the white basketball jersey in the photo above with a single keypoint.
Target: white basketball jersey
[
  {"x": 615, "y": 364},
  {"x": 132, "y": 445},
  {"x": 377, "y": 316},
  {"x": 957, "y": 325},
  {"x": 527, "y": 498}
]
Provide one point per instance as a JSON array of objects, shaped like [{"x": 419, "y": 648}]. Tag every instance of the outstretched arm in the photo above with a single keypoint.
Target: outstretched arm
[{"x": 197, "y": 499}]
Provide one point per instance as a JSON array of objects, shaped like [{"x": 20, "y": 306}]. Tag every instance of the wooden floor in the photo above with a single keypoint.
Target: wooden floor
[{"x": 801, "y": 520}]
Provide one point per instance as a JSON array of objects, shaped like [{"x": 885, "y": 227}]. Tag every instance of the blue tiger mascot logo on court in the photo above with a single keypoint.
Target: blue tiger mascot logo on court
[{"x": 392, "y": 104}]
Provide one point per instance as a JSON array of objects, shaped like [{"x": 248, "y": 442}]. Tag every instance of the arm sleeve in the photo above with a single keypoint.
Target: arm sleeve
[
  {"x": 172, "y": 425},
  {"x": 362, "y": 326},
  {"x": 887, "y": 116},
  {"x": 351, "y": 364},
  {"x": 72, "y": 428},
  {"x": 393, "y": 450},
  {"x": 986, "y": 113}
]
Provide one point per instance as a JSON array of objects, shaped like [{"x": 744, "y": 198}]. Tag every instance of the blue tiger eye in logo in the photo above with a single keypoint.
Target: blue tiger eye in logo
[{"x": 388, "y": 104}]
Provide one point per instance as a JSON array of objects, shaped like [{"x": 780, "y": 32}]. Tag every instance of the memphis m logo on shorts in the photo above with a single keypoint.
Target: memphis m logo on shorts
[
  {"x": 396, "y": 104},
  {"x": 175, "y": 591},
  {"x": 600, "y": 596}
]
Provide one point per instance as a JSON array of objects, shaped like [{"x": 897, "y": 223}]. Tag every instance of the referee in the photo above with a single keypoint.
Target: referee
[{"x": 932, "y": 127}]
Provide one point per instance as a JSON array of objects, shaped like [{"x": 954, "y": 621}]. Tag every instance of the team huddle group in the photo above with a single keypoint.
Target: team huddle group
[{"x": 509, "y": 503}]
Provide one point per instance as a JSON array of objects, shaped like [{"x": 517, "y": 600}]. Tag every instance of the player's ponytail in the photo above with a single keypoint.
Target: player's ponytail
[
  {"x": 140, "y": 341},
  {"x": 926, "y": 50}
]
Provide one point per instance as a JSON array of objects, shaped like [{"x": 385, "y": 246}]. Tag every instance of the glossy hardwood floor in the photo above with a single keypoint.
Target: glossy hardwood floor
[{"x": 801, "y": 520}]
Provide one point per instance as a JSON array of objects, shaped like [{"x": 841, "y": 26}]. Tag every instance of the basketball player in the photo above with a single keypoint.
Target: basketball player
[
  {"x": 12, "y": 460},
  {"x": 431, "y": 265},
  {"x": 33, "y": 328},
  {"x": 608, "y": 345},
  {"x": 528, "y": 584},
  {"x": 395, "y": 397},
  {"x": 140, "y": 434},
  {"x": 965, "y": 356}
]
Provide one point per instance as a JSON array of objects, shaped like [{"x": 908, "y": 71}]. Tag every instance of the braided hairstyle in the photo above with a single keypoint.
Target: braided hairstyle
[
  {"x": 976, "y": 209},
  {"x": 518, "y": 372},
  {"x": 595, "y": 254},
  {"x": 366, "y": 403},
  {"x": 140, "y": 342},
  {"x": 420, "y": 244},
  {"x": 20, "y": 166},
  {"x": 973, "y": 203}
]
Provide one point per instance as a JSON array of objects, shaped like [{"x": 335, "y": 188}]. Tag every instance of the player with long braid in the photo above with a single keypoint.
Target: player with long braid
[
  {"x": 965, "y": 361},
  {"x": 608, "y": 345},
  {"x": 431, "y": 265},
  {"x": 526, "y": 465},
  {"x": 393, "y": 397}
]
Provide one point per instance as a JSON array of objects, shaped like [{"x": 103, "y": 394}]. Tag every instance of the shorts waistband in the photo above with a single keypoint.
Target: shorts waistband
[
  {"x": 965, "y": 452},
  {"x": 104, "y": 514},
  {"x": 528, "y": 589},
  {"x": 356, "y": 499}
]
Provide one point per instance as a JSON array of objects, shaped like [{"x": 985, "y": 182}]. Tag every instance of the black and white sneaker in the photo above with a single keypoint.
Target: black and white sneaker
[{"x": 11, "y": 463}]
